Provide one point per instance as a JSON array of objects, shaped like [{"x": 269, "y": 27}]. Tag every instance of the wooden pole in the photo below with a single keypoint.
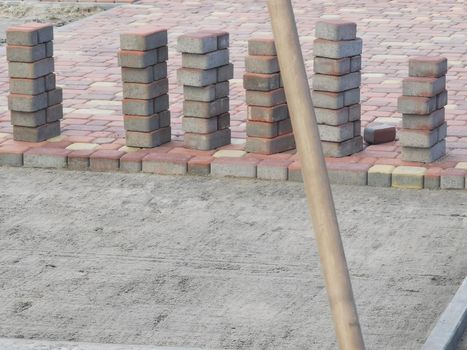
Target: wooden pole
[{"x": 315, "y": 177}]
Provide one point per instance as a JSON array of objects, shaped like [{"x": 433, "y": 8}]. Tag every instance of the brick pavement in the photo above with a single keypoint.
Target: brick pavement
[{"x": 87, "y": 69}]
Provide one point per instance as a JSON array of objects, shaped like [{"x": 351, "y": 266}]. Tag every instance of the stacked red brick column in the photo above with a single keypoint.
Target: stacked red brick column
[
  {"x": 424, "y": 96},
  {"x": 268, "y": 128},
  {"x": 143, "y": 59},
  {"x": 336, "y": 87},
  {"x": 35, "y": 102},
  {"x": 205, "y": 76}
]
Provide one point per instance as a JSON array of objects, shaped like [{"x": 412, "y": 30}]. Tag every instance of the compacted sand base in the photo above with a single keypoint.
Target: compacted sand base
[{"x": 217, "y": 263}]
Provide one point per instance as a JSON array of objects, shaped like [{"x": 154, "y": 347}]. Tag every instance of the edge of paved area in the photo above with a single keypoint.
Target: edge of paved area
[
  {"x": 26, "y": 344},
  {"x": 452, "y": 323}
]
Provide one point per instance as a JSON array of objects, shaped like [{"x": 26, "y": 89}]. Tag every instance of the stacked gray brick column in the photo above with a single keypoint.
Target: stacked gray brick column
[
  {"x": 268, "y": 127},
  {"x": 143, "y": 58},
  {"x": 424, "y": 96},
  {"x": 34, "y": 101},
  {"x": 336, "y": 87},
  {"x": 205, "y": 76}
]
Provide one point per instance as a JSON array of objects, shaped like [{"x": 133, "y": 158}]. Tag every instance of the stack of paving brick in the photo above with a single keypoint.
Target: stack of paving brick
[
  {"x": 205, "y": 75},
  {"x": 34, "y": 101},
  {"x": 143, "y": 58},
  {"x": 268, "y": 128},
  {"x": 422, "y": 104},
  {"x": 336, "y": 87}
]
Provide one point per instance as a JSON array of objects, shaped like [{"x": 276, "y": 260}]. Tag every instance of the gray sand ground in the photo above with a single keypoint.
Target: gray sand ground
[
  {"x": 217, "y": 263},
  {"x": 14, "y": 13}
]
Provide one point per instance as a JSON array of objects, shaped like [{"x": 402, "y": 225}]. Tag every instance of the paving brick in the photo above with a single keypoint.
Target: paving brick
[
  {"x": 273, "y": 169},
  {"x": 416, "y": 105},
  {"x": 204, "y": 93},
  {"x": 262, "y": 64},
  {"x": 222, "y": 89},
  {"x": 49, "y": 49},
  {"x": 224, "y": 72},
  {"x": 323, "y": 65},
  {"x": 29, "y": 119},
  {"x": 441, "y": 99},
  {"x": 143, "y": 39},
  {"x": 25, "y": 53},
  {"x": 161, "y": 103},
  {"x": 265, "y": 98},
  {"x": 452, "y": 179},
  {"x": 22, "y": 35},
  {"x": 338, "y": 133},
  {"x": 355, "y": 112},
  {"x": 138, "y": 75},
  {"x": 380, "y": 175},
  {"x": 54, "y": 113},
  {"x": 79, "y": 159},
  {"x": 335, "y": 29},
  {"x": 200, "y": 125},
  {"x": 164, "y": 119},
  {"x": 432, "y": 178},
  {"x": 234, "y": 167},
  {"x": 148, "y": 139},
  {"x": 55, "y": 96},
  {"x": 138, "y": 107},
  {"x": 261, "y": 47},
  {"x": 333, "y": 83},
  {"x": 200, "y": 165},
  {"x": 232, "y": 153},
  {"x": 137, "y": 59},
  {"x": 355, "y": 63},
  {"x": 377, "y": 133},
  {"x": 262, "y": 129},
  {"x": 160, "y": 70},
  {"x": 422, "y": 138},
  {"x": 424, "y": 155},
  {"x": 146, "y": 91},
  {"x": 261, "y": 82},
  {"x": 285, "y": 126},
  {"x": 337, "y": 49},
  {"x": 348, "y": 173},
  {"x": 268, "y": 114},
  {"x": 342, "y": 149},
  {"x": 50, "y": 81},
  {"x": 357, "y": 128},
  {"x": 27, "y": 103},
  {"x": 207, "y": 141},
  {"x": 105, "y": 160},
  {"x": 82, "y": 146},
  {"x": 196, "y": 77},
  {"x": 408, "y": 177},
  {"x": 45, "y": 158},
  {"x": 295, "y": 172},
  {"x": 31, "y": 70},
  {"x": 332, "y": 116},
  {"x": 141, "y": 123},
  {"x": 209, "y": 60},
  {"x": 166, "y": 164},
  {"x": 274, "y": 145},
  {"x": 335, "y": 100},
  {"x": 425, "y": 66},
  {"x": 205, "y": 109},
  {"x": 27, "y": 86},
  {"x": 45, "y": 31},
  {"x": 132, "y": 161},
  {"x": 425, "y": 87},
  {"x": 162, "y": 54},
  {"x": 41, "y": 133},
  {"x": 426, "y": 122},
  {"x": 200, "y": 42},
  {"x": 12, "y": 155}
]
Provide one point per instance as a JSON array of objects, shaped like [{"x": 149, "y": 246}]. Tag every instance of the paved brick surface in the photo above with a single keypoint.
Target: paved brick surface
[{"x": 87, "y": 68}]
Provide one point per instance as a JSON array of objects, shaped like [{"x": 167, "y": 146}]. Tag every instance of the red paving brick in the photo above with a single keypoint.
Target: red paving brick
[{"x": 87, "y": 69}]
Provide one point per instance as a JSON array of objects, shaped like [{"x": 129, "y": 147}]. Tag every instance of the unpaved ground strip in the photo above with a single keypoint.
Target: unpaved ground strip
[
  {"x": 15, "y": 13},
  {"x": 217, "y": 263}
]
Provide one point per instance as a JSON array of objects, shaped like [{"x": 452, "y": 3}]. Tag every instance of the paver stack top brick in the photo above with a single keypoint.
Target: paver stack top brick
[
  {"x": 143, "y": 58},
  {"x": 205, "y": 76},
  {"x": 268, "y": 127},
  {"x": 35, "y": 102},
  {"x": 424, "y": 96},
  {"x": 336, "y": 87}
]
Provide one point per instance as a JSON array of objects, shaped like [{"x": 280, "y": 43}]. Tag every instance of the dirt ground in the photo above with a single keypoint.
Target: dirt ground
[
  {"x": 58, "y": 14},
  {"x": 217, "y": 263}
]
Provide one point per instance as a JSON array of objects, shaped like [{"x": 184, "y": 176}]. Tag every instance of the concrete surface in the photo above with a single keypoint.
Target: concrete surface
[
  {"x": 217, "y": 263},
  {"x": 463, "y": 342},
  {"x": 24, "y": 344},
  {"x": 450, "y": 327}
]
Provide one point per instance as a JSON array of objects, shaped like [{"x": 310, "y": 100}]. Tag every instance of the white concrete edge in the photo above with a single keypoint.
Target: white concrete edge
[
  {"x": 451, "y": 324},
  {"x": 26, "y": 344}
]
